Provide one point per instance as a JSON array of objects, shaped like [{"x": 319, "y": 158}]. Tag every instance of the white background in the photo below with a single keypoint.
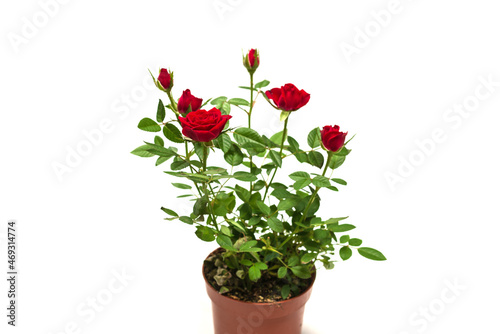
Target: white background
[{"x": 437, "y": 224}]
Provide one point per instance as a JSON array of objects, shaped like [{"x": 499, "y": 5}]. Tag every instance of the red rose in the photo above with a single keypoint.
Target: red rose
[
  {"x": 165, "y": 79},
  {"x": 202, "y": 125},
  {"x": 288, "y": 97},
  {"x": 188, "y": 102},
  {"x": 332, "y": 138},
  {"x": 251, "y": 60}
]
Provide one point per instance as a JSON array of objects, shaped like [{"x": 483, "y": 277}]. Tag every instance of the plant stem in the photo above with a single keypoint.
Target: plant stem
[
  {"x": 281, "y": 151},
  {"x": 191, "y": 167},
  {"x": 250, "y": 122},
  {"x": 311, "y": 201},
  {"x": 251, "y": 102}
]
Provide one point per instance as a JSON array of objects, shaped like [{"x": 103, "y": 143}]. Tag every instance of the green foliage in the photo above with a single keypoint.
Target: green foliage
[{"x": 264, "y": 225}]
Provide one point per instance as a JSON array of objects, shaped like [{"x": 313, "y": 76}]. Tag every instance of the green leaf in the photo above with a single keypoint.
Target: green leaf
[
  {"x": 344, "y": 239},
  {"x": 321, "y": 181},
  {"x": 341, "y": 228},
  {"x": 263, "y": 207},
  {"x": 178, "y": 165},
  {"x": 160, "y": 114},
  {"x": 171, "y": 132},
  {"x": 284, "y": 115},
  {"x": 355, "y": 242},
  {"x": 316, "y": 159},
  {"x": 186, "y": 219},
  {"x": 321, "y": 234},
  {"x": 293, "y": 261},
  {"x": 308, "y": 257},
  {"x": 234, "y": 157},
  {"x": 332, "y": 221},
  {"x": 336, "y": 161},
  {"x": 254, "y": 273},
  {"x": 225, "y": 109},
  {"x": 285, "y": 291},
  {"x": 225, "y": 242},
  {"x": 147, "y": 124},
  {"x": 314, "y": 138},
  {"x": 294, "y": 145},
  {"x": 246, "y": 87},
  {"x": 238, "y": 102},
  {"x": 246, "y": 262},
  {"x": 142, "y": 151},
  {"x": 277, "y": 138},
  {"x": 287, "y": 203},
  {"x": 345, "y": 253},
  {"x": 262, "y": 84},
  {"x": 275, "y": 224},
  {"x": 242, "y": 193},
  {"x": 340, "y": 181},
  {"x": 245, "y": 135},
  {"x": 161, "y": 160},
  {"x": 301, "y": 184},
  {"x": 182, "y": 185},
  {"x": 159, "y": 141},
  {"x": 301, "y": 272},
  {"x": 261, "y": 265},
  {"x": 302, "y": 157},
  {"x": 282, "y": 272},
  {"x": 297, "y": 176},
  {"x": 248, "y": 245},
  {"x": 169, "y": 212},
  {"x": 333, "y": 188},
  {"x": 218, "y": 101},
  {"x": 225, "y": 142},
  {"x": 245, "y": 176},
  {"x": 275, "y": 157},
  {"x": 371, "y": 254},
  {"x": 205, "y": 233},
  {"x": 237, "y": 225},
  {"x": 161, "y": 151},
  {"x": 200, "y": 206}
]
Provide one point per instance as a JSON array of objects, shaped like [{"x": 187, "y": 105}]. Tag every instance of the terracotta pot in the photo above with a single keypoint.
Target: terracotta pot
[{"x": 236, "y": 317}]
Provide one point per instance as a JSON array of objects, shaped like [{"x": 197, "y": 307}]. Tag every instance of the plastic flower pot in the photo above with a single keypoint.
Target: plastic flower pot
[{"x": 231, "y": 316}]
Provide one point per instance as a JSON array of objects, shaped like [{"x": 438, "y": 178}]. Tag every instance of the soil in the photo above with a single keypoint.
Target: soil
[{"x": 266, "y": 290}]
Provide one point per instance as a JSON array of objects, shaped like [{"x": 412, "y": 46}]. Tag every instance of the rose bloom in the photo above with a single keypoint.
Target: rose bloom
[
  {"x": 288, "y": 97},
  {"x": 165, "y": 79},
  {"x": 202, "y": 125},
  {"x": 187, "y": 100},
  {"x": 332, "y": 138},
  {"x": 251, "y": 60}
]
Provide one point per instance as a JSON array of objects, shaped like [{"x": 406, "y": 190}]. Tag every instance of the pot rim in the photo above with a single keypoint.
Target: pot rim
[{"x": 250, "y": 303}]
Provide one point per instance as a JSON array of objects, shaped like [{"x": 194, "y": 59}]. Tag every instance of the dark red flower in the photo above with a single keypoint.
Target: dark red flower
[
  {"x": 202, "y": 125},
  {"x": 332, "y": 138},
  {"x": 188, "y": 101},
  {"x": 288, "y": 97},
  {"x": 165, "y": 79},
  {"x": 251, "y": 60}
]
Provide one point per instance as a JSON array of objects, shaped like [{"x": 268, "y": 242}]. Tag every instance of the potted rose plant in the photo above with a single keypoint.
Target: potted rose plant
[{"x": 270, "y": 239}]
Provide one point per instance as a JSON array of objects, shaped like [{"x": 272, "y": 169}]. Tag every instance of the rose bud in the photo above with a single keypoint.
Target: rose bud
[
  {"x": 202, "y": 125},
  {"x": 251, "y": 60},
  {"x": 188, "y": 102},
  {"x": 288, "y": 97},
  {"x": 332, "y": 138},
  {"x": 165, "y": 80}
]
